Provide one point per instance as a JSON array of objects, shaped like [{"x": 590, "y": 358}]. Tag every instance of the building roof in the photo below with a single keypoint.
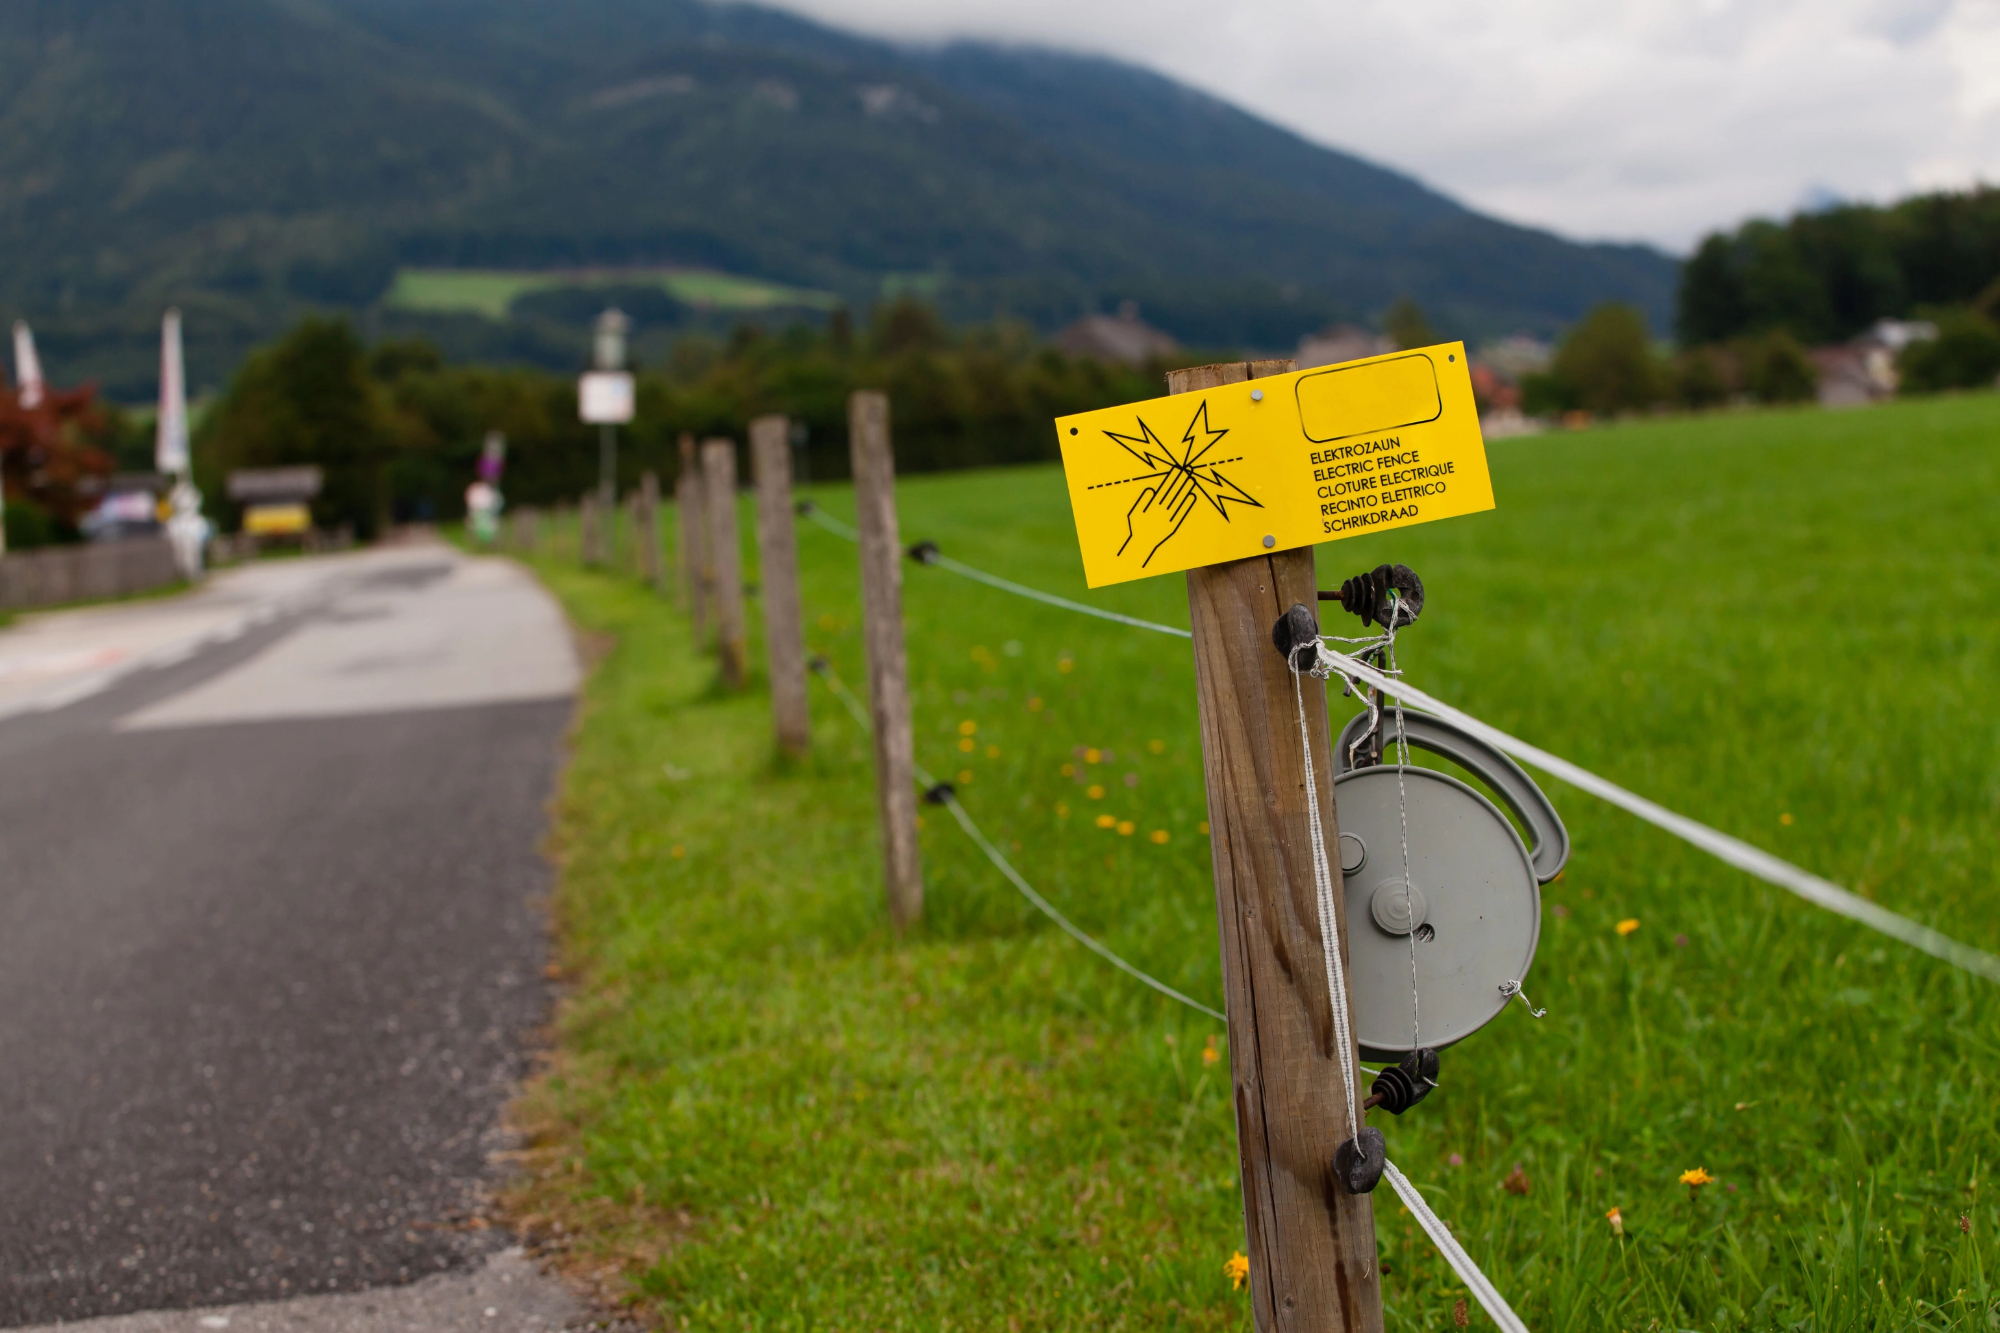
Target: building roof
[{"x": 1123, "y": 337}]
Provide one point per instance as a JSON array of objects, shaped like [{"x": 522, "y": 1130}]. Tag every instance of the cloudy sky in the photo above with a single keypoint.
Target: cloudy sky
[{"x": 1650, "y": 120}]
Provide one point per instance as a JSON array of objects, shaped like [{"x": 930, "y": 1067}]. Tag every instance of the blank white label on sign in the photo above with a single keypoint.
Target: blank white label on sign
[{"x": 604, "y": 397}]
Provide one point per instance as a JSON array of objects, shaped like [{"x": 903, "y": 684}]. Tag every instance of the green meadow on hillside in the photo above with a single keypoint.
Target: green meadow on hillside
[
  {"x": 490, "y": 292},
  {"x": 768, "y": 1112}
]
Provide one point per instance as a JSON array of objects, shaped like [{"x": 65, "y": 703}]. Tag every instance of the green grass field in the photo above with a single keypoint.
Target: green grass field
[
  {"x": 490, "y": 292},
  {"x": 768, "y": 1113}
]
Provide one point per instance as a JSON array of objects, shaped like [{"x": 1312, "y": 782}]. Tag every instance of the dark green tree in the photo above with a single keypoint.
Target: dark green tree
[
  {"x": 1776, "y": 369},
  {"x": 1606, "y": 365},
  {"x": 1964, "y": 355},
  {"x": 1407, "y": 325}
]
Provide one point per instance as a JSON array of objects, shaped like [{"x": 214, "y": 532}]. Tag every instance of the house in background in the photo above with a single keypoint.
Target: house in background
[
  {"x": 1122, "y": 338},
  {"x": 1864, "y": 370}
]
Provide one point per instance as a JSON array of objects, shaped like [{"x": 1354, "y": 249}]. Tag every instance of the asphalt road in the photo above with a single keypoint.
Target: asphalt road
[{"x": 270, "y": 943}]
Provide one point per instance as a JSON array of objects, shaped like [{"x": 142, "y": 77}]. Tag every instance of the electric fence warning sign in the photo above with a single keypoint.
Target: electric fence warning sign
[{"x": 1271, "y": 464}]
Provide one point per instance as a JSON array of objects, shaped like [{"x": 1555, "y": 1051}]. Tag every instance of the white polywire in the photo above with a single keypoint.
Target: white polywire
[
  {"x": 1006, "y": 867},
  {"x": 1454, "y": 1253},
  {"x": 1733, "y": 851},
  {"x": 1329, "y": 922}
]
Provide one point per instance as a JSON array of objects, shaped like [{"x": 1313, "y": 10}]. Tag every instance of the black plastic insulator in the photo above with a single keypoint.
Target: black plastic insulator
[
  {"x": 1403, "y": 1085},
  {"x": 803, "y": 507},
  {"x": 1359, "y": 1161},
  {"x": 1369, "y": 595},
  {"x": 1296, "y": 631},
  {"x": 939, "y": 794},
  {"x": 924, "y": 553}
]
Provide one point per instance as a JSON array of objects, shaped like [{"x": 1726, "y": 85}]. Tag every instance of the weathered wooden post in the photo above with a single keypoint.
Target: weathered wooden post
[
  {"x": 690, "y": 500},
  {"x": 725, "y": 557},
  {"x": 1311, "y": 1243},
  {"x": 778, "y": 575},
  {"x": 588, "y": 540},
  {"x": 648, "y": 534},
  {"x": 888, "y": 669}
]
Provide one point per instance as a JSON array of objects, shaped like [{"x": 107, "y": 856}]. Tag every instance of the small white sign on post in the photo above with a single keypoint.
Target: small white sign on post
[{"x": 604, "y": 397}]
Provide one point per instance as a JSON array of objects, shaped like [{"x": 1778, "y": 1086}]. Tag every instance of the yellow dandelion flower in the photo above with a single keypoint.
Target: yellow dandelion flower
[
  {"x": 1093, "y": 756},
  {"x": 1157, "y": 747},
  {"x": 1126, "y": 828},
  {"x": 678, "y": 852},
  {"x": 1209, "y": 1055},
  {"x": 968, "y": 728},
  {"x": 1238, "y": 1271},
  {"x": 1785, "y": 818},
  {"x": 1695, "y": 1178},
  {"x": 1106, "y": 821},
  {"x": 1094, "y": 792},
  {"x": 1065, "y": 665},
  {"x": 967, "y": 744},
  {"x": 1617, "y": 1221},
  {"x": 964, "y": 777},
  {"x": 1202, "y": 828},
  {"x": 1035, "y": 704},
  {"x": 1062, "y": 809},
  {"x": 1627, "y": 926},
  {"x": 1158, "y": 835},
  {"x": 992, "y": 752}
]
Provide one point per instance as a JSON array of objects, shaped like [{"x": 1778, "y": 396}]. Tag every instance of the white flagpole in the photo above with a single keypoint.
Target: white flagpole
[{"x": 186, "y": 528}]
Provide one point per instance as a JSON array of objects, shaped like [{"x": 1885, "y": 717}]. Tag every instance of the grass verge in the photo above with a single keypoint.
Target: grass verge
[{"x": 766, "y": 1112}]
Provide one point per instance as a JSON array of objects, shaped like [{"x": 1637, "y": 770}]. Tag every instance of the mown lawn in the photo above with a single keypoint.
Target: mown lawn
[{"x": 767, "y": 1112}]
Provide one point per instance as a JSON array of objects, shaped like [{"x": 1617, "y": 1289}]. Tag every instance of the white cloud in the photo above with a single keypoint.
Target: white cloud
[{"x": 1654, "y": 119}]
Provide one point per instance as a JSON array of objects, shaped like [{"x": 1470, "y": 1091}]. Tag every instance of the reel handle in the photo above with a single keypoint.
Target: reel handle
[{"x": 1508, "y": 780}]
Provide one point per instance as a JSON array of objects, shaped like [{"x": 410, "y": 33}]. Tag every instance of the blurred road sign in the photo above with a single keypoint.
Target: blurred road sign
[{"x": 604, "y": 397}]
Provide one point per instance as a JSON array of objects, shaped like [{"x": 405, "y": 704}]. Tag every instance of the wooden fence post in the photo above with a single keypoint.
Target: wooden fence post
[
  {"x": 588, "y": 539},
  {"x": 718, "y": 468},
  {"x": 1311, "y": 1242},
  {"x": 691, "y": 504},
  {"x": 648, "y": 534},
  {"x": 888, "y": 669},
  {"x": 778, "y": 577}
]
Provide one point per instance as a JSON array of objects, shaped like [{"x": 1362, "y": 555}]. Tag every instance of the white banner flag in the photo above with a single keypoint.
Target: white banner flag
[{"x": 27, "y": 366}]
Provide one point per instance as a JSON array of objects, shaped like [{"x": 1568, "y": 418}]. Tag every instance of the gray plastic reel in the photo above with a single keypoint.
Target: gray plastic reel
[{"x": 1474, "y": 897}]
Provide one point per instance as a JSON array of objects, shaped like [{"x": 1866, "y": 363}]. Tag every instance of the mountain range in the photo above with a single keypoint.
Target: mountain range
[{"x": 252, "y": 159}]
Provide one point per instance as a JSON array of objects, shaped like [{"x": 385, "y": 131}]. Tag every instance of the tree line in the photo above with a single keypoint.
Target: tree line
[
  {"x": 1753, "y": 301},
  {"x": 398, "y": 429}
]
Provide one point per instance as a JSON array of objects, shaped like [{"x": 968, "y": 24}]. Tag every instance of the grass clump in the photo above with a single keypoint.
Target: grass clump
[{"x": 768, "y": 1112}]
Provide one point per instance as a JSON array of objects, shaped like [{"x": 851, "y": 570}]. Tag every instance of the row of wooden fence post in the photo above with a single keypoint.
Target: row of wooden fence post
[{"x": 1311, "y": 1243}]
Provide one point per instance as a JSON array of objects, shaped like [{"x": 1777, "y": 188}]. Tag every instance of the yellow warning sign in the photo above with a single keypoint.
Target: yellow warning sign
[{"x": 1271, "y": 464}]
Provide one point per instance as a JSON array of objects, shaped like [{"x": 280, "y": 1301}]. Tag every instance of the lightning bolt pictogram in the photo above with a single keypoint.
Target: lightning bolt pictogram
[{"x": 1176, "y": 482}]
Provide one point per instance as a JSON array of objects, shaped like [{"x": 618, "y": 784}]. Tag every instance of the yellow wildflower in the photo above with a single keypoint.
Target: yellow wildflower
[
  {"x": 1158, "y": 835},
  {"x": 1035, "y": 704},
  {"x": 1617, "y": 1221},
  {"x": 1694, "y": 1179},
  {"x": 968, "y": 728},
  {"x": 1628, "y": 925},
  {"x": 1126, "y": 828},
  {"x": 1157, "y": 747},
  {"x": 1238, "y": 1269},
  {"x": 1209, "y": 1055},
  {"x": 967, "y": 744},
  {"x": 1093, "y": 756},
  {"x": 992, "y": 752},
  {"x": 1107, "y": 821},
  {"x": 1094, "y": 792},
  {"x": 964, "y": 777},
  {"x": 1065, "y": 665}
]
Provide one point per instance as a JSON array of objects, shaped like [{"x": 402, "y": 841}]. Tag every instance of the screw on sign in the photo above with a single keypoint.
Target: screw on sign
[{"x": 1232, "y": 478}]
